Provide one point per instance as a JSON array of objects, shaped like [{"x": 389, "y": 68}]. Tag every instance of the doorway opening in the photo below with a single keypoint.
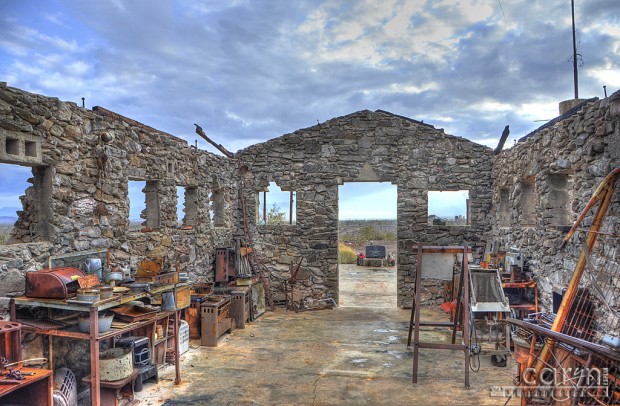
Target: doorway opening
[{"x": 367, "y": 245}]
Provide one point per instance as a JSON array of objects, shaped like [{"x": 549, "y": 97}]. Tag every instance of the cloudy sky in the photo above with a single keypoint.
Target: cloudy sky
[{"x": 251, "y": 70}]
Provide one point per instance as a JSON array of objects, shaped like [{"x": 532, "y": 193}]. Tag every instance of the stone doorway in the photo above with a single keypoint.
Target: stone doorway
[{"x": 367, "y": 216}]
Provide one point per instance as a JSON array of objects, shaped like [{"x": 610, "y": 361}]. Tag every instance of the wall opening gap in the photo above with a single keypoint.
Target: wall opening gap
[
  {"x": 12, "y": 146},
  {"x": 448, "y": 207},
  {"x": 137, "y": 203},
  {"x": 14, "y": 187},
  {"x": 367, "y": 228},
  {"x": 276, "y": 206}
]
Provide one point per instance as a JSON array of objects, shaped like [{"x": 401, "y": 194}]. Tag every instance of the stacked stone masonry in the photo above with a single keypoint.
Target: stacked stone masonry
[
  {"x": 561, "y": 164},
  {"x": 363, "y": 147},
  {"x": 79, "y": 198},
  {"x": 83, "y": 159}
]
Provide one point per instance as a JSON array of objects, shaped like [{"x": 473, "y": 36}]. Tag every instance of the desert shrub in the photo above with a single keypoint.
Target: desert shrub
[
  {"x": 4, "y": 238},
  {"x": 346, "y": 254}
]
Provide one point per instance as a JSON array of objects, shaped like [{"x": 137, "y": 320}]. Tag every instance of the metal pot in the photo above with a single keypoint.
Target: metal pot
[
  {"x": 113, "y": 277},
  {"x": 104, "y": 323},
  {"x": 105, "y": 291},
  {"x": 88, "y": 295},
  {"x": 93, "y": 266},
  {"x": 115, "y": 364}
]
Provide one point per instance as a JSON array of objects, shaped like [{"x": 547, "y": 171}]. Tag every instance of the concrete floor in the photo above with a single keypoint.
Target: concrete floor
[
  {"x": 367, "y": 287},
  {"x": 345, "y": 356}
]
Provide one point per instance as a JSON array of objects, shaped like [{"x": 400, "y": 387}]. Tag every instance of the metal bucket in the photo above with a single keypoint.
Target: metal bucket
[
  {"x": 168, "y": 302},
  {"x": 115, "y": 364}
]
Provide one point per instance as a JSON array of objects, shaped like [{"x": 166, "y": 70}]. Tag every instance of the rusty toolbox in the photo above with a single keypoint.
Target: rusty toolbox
[
  {"x": 54, "y": 283},
  {"x": 215, "y": 319},
  {"x": 182, "y": 295},
  {"x": 224, "y": 264},
  {"x": 240, "y": 306}
]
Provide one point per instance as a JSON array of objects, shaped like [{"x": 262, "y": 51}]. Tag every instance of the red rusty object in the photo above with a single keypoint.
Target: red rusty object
[
  {"x": 54, "y": 283},
  {"x": 10, "y": 341}
]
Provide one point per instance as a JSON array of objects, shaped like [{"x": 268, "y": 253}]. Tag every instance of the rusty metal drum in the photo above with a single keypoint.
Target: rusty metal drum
[{"x": 115, "y": 364}]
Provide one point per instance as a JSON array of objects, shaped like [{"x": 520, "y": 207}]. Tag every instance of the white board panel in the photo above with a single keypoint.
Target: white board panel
[{"x": 437, "y": 266}]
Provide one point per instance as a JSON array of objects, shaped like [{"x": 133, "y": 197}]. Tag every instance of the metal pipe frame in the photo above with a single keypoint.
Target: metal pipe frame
[{"x": 415, "y": 312}]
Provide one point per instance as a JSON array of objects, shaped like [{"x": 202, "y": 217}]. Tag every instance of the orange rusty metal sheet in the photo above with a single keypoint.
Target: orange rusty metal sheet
[
  {"x": 88, "y": 281},
  {"x": 148, "y": 268}
]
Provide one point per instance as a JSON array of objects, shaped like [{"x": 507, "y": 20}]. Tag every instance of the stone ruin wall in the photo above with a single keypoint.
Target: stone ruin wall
[
  {"x": 80, "y": 208},
  {"x": 545, "y": 181},
  {"x": 364, "y": 147}
]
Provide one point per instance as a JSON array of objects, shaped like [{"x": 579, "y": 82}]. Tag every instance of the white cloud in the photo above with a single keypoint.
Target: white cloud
[{"x": 250, "y": 71}]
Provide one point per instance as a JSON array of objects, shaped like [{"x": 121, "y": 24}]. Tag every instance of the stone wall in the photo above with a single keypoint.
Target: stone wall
[
  {"x": 361, "y": 147},
  {"x": 544, "y": 182},
  {"x": 79, "y": 198}
]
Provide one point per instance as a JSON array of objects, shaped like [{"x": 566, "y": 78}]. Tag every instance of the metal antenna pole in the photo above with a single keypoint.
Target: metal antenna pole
[{"x": 572, "y": 5}]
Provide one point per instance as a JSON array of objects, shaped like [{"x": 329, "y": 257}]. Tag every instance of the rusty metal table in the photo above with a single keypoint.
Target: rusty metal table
[
  {"x": 94, "y": 337},
  {"x": 35, "y": 389}
]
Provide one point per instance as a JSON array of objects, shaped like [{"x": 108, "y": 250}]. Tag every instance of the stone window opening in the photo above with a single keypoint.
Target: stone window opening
[
  {"x": 136, "y": 203},
  {"x": 187, "y": 206},
  {"x": 12, "y": 146},
  {"x": 276, "y": 206},
  {"x": 143, "y": 205},
  {"x": 528, "y": 202},
  {"x": 448, "y": 207},
  {"x": 25, "y": 218},
  {"x": 218, "y": 208},
  {"x": 20, "y": 148},
  {"x": 503, "y": 209}
]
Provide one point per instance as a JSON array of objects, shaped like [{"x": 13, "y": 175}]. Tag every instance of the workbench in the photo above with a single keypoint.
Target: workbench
[
  {"x": 36, "y": 389},
  {"x": 94, "y": 337}
]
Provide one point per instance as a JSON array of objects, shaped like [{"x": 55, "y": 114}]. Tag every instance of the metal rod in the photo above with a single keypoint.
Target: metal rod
[
  {"x": 466, "y": 311},
  {"x": 95, "y": 389},
  {"x": 265, "y": 206},
  {"x": 177, "y": 365},
  {"x": 416, "y": 337},
  {"x": 576, "y": 80},
  {"x": 290, "y": 213}
]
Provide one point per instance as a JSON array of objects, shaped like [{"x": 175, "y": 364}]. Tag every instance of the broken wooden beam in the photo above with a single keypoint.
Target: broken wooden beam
[{"x": 210, "y": 141}]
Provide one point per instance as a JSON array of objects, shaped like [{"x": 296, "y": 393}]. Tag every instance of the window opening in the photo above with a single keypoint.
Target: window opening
[
  {"x": 137, "y": 203},
  {"x": 448, "y": 207},
  {"x": 276, "y": 206},
  {"x": 17, "y": 195}
]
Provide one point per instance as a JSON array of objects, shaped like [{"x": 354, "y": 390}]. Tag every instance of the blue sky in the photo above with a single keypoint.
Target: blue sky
[
  {"x": 360, "y": 200},
  {"x": 251, "y": 70}
]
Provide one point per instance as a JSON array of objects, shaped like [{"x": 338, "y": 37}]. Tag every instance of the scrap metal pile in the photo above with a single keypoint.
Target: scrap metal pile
[{"x": 574, "y": 355}]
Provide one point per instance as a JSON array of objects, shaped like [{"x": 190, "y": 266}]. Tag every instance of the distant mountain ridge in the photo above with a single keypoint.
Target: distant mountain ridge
[
  {"x": 8, "y": 215},
  {"x": 9, "y": 211},
  {"x": 4, "y": 220}
]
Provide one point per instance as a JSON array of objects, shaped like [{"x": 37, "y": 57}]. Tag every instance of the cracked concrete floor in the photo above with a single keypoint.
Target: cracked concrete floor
[{"x": 345, "y": 356}]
